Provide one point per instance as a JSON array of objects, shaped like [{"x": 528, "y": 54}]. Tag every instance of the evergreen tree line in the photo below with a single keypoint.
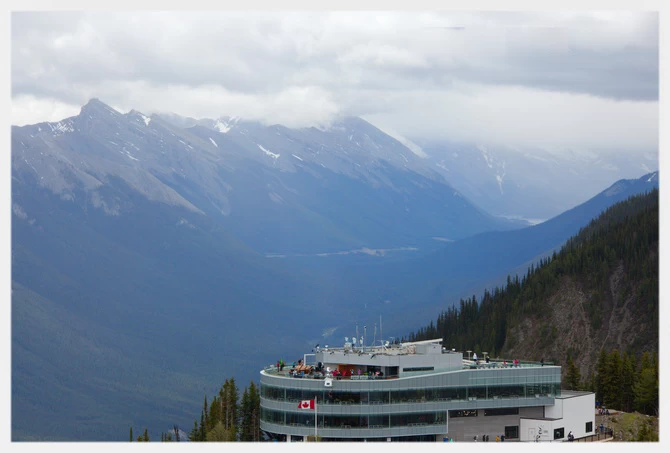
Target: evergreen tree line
[
  {"x": 142, "y": 437},
  {"x": 225, "y": 419},
  {"x": 229, "y": 419},
  {"x": 620, "y": 382},
  {"x": 626, "y": 234}
]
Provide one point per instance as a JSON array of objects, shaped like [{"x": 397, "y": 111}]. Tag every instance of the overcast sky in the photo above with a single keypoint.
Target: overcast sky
[{"x": 577, "y": 80}]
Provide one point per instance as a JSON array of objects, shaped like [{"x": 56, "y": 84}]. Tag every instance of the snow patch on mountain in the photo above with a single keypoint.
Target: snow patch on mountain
[
  {"x": 268, "y": 152},
  {"x": 222, "y": 126},
  {"x": 61, "y": 127},
  {"x": 213, "y": 142},
  {"x": 144, "y": 118},
  {"x": 297, "y": 157},
  {"x": 651, "y": 178},
  {"x": 485, "y": 153},
  {"x": 416, "y": 149},
  {"x": 500, "y": 177},
  {"x": 541, "y": 159}
]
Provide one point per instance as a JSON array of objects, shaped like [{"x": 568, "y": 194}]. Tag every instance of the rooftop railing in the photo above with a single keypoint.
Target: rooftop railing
[{"x": 467, "y": 364}]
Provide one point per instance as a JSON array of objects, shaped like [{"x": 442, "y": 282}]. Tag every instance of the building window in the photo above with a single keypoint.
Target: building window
[
  {"x": 511, "y": 432},
  {"x": 502, "y": 411},
  {"x": 465, "y": 413},
  {"x": 559, "y": 433},
  {"x": 420, "y": 368},
  {"x": 589, "y": 427}
]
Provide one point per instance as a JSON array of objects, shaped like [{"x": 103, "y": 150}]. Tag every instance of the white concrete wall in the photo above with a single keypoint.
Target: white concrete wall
[
  {"x": 529, "y": 428},
  {"x": 571, "y": 414},
  {"x": 577, "y": 411}
]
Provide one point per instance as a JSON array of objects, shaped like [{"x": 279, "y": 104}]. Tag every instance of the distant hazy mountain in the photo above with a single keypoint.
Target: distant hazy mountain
[
  {"x": 532, "y": 183},
  {"x": 279, "y": 190}
]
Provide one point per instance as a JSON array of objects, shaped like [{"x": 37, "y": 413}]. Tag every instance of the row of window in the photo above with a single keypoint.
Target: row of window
[
  {"x": 487, "y": 412},
  {"x": 353, "y": 421},
  {"x": 307, "y": 419},
  {"x": 410, "y": 396}
]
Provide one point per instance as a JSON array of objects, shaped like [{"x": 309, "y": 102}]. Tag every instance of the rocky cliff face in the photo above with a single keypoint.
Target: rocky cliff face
[{"x": 565, "y": 327}]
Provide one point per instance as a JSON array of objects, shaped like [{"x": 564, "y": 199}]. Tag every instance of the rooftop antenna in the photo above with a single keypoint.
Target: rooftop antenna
[
  {"x": 361, "y": 343},
  {"x": 381, "y": 333},
  {"x": 365, "y": 336},
  {"x": 374, "y": 339}
]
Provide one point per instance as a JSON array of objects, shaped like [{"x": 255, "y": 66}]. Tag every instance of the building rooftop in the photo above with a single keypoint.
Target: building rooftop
[{"x": 389, "y": 361}]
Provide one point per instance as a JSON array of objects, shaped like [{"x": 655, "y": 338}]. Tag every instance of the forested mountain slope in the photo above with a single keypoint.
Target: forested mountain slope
[{"x": 599, "y": 292}]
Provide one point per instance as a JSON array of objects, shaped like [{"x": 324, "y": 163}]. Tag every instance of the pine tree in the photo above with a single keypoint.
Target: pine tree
[
  {"x": 202, "y": 431},
  {"x": 613, "y": 380},
  {"x": 229, "y": 414},
  {"x": 646, "y": 392},
  {"x": 205, "y": 413},
  {"x": 573, "y": 377},
  {"x": 245, "y": 417},
  {"x": 628, "y": 382},
  {"x": 194, "y": 435},
  {"x": 214, "y": 413},
  {"x": 600, "y": 377},
  {"x": 218, "y": 434},
  {"x": 255, "y": 403}
]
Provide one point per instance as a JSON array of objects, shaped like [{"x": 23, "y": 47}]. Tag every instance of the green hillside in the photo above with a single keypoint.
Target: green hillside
[{"x": 598, "y": 295}]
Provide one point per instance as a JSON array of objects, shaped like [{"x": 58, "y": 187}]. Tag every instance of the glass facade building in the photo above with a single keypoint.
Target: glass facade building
[{"x": 415, "y": 403}]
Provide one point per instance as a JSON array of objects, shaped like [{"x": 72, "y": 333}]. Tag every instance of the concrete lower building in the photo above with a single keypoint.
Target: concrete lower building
[
  {"x": 418, "y": 391},
  {"x": 571, "y": 412}
]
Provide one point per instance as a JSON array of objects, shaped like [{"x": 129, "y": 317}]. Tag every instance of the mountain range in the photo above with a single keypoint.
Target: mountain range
[
  {"x": 532, "y": 183},
  {"x": 279, "y": 190},
  {"x": 152, "y": 256}
]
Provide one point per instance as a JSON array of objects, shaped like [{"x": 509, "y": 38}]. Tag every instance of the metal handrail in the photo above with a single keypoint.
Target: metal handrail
[{"x": 607, "y": 433}]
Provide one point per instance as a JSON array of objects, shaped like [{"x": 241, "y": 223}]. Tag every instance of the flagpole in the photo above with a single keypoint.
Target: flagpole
[{"x": 316, "y": 419}]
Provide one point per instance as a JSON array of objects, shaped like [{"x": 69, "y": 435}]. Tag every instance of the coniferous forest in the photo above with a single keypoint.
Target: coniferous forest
[
  {"x": 624, "y": 236},
  {"x": 227, "y": 418}
]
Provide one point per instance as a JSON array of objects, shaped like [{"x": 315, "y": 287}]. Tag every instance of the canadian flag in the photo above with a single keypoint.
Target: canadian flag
[{"x": 306, "y": 404}]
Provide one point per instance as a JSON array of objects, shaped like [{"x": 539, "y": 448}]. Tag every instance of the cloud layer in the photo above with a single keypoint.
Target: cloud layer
[{"x": 499, "y": 77}]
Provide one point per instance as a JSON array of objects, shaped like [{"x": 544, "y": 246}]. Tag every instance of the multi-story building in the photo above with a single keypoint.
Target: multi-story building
[{"x": 419, "y": 391}]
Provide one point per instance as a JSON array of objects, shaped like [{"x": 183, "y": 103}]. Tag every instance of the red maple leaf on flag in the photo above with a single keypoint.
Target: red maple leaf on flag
[{"x": 306, "y": 404}]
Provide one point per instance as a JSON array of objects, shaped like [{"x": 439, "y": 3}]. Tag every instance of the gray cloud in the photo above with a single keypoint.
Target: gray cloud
[{"x": 304, "y": 68}]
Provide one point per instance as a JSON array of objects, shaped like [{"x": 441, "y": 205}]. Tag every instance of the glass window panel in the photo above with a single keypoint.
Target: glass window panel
[{"x": 511, "y": 432}]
